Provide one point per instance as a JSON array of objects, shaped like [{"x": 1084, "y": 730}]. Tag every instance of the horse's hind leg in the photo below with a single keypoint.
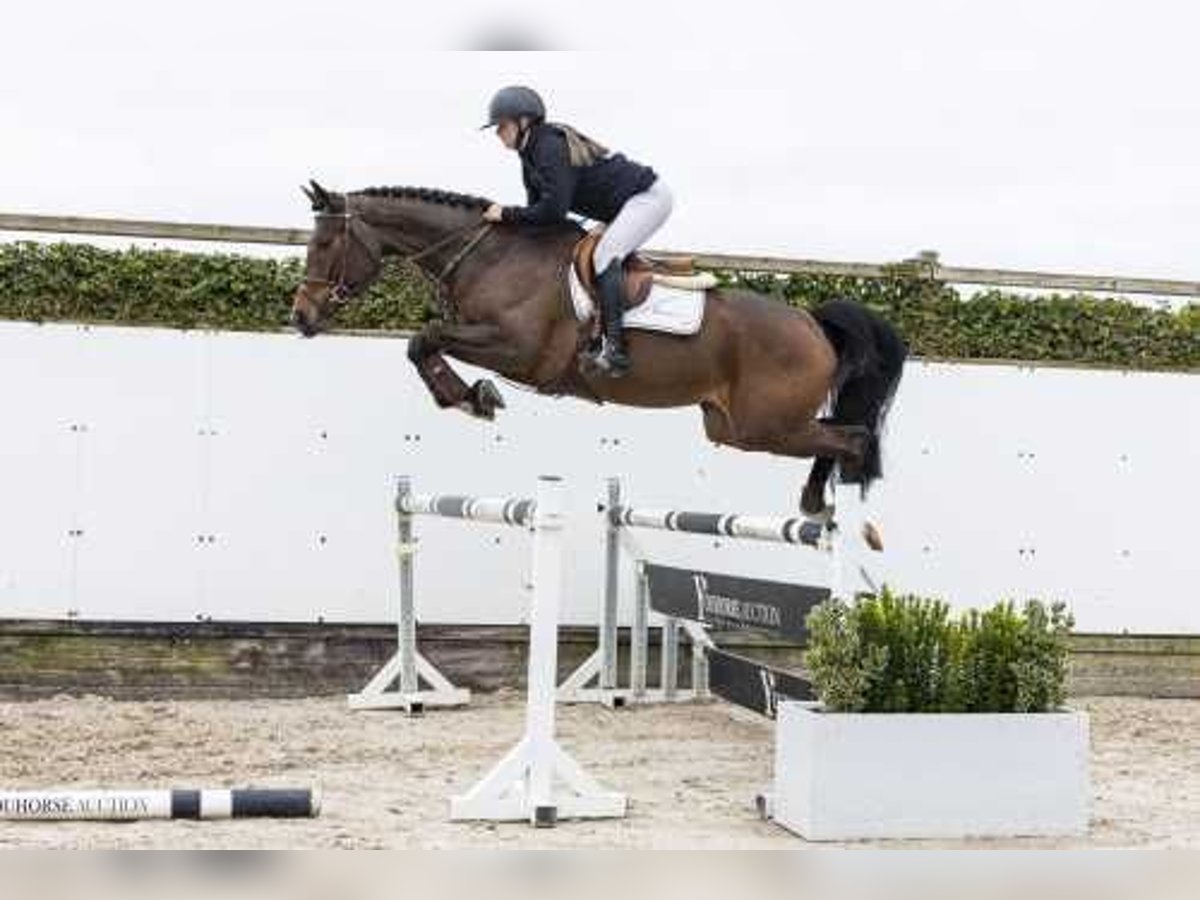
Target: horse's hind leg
[
  {"x": 844, "y": 443},
  {"x": 812, "y": 499},
  {"x": 827, "y": 444},
  {"x": 830, "y": 445},
  {"x": 752, "y": 420}
]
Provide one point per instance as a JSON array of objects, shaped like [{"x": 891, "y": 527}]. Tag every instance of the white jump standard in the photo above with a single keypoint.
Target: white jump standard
[
  {"x": 418, "y": 682},
  {"x": 537, "y": 781}
]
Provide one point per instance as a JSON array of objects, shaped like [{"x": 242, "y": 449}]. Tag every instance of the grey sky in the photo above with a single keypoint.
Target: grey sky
[{"x": 1060, "y": 135}]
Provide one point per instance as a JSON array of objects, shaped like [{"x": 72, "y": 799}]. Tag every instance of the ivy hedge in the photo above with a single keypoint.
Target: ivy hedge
[{"x": 81, "y": 283}]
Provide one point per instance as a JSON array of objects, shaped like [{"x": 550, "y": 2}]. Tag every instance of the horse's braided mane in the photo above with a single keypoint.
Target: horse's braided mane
[{"x": 426, "y": 195}]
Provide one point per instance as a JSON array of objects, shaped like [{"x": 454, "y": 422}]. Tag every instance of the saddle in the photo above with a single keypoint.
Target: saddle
[{"x": 642, "y": 271}]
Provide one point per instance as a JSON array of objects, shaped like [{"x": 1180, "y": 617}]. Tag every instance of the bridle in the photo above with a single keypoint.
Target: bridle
[{"x": 341, "y": 290}]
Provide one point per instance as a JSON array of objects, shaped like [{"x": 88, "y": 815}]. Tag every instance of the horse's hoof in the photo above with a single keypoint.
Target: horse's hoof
[
  {"x": 489, "y": 394},
  {"x": 813, "y": 506},
  {"x": 872, "y": 536},
  {"x": 484, "y": 400},
  {"x": 822, "y": 516}
]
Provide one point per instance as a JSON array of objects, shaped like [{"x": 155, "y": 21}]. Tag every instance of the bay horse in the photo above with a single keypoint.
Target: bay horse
[{"x": 760, "y": 370}]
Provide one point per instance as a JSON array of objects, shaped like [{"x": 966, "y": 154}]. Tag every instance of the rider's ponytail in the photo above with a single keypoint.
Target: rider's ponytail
[{"x": 584, "y": 151}]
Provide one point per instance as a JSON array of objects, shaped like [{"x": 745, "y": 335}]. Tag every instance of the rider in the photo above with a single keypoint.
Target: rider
[{"x": 564, "y": 171}]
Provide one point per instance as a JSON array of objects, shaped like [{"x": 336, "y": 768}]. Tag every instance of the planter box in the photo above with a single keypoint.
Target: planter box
[{"x": 850, "y": 776}]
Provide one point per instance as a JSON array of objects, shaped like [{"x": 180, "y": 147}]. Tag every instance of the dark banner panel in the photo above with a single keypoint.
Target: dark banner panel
[
  {"x": 729, "y": 602},
  {"x": 753, "y": 685}
]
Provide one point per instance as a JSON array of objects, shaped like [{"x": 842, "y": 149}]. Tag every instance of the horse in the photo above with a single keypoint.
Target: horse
[{"x": 761, "y": 371}]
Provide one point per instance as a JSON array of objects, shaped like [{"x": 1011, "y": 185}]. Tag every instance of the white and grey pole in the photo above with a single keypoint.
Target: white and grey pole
[{"x": 128, "y": 805}]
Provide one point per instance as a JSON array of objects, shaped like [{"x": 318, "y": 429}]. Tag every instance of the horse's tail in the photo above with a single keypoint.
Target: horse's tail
[{"x": 871, "y": 357}]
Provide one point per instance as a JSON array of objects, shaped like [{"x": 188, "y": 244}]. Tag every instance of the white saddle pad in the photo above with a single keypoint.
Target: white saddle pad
[{"x": 668, "y": 310}]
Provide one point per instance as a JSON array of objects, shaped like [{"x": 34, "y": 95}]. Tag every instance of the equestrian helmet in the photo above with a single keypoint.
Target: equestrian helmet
[{"x": 514, "y": 102}]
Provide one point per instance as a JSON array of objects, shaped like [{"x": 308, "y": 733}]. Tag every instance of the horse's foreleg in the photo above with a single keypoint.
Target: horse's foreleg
[
  {"x": 444, "y": 384},
  {"x": 477, "y": 344},
  {"x": 486, "y": 346}
]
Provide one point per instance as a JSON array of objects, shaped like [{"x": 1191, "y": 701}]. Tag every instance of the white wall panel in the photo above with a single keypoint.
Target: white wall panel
[
  {"x": 140, "y": 486},
  {"x": 42, "y": 414},
  {"x": 251, "y": 477}
]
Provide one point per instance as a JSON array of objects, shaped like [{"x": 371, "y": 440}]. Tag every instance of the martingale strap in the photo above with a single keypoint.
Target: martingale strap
[{"x": 439, "y": 281}]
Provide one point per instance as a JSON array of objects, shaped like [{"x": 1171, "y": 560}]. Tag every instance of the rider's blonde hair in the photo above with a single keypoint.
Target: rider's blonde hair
[{"x": 584, "y": 151}]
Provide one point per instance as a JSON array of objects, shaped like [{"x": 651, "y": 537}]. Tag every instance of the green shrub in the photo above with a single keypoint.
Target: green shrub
[
  {"x": 81, "y": 283},
  {"x": 890, "y": 653}
]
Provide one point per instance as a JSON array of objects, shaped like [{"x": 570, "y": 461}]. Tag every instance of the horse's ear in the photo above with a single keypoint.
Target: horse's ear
[
  {"x": 312, "y": 198},
  {"x": 320, "y": 196}
]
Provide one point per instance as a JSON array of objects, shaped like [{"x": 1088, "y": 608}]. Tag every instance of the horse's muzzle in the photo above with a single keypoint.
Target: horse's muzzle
[{"x": 301, "y": 323}]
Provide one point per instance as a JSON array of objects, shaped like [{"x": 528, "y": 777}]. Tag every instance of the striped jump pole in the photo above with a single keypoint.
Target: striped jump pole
[
  {"x": 779, "y": 530},
  {"x": 595, "y": 679},
  {"x": 130, "y": 805},
  {"x": 503, "y": 511}
]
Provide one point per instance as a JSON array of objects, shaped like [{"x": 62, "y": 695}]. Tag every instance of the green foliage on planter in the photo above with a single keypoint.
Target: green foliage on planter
[
  {"x": 81, "y": 283},
  {"x": 890, "y": 653}
]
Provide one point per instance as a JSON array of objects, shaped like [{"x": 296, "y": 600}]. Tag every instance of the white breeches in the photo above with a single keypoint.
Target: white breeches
[{"x": 641, "y": 216}]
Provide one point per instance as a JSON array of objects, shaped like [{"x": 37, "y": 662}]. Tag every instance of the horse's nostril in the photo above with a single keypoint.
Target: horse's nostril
[{"x": 301, "y": 324}]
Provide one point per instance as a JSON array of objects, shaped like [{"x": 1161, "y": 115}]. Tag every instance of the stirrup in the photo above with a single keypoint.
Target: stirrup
[{"x": 612, "y": 361}]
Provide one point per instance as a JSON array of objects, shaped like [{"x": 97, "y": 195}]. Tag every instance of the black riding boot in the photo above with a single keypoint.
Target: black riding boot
[{"x": 612, "y": 357}]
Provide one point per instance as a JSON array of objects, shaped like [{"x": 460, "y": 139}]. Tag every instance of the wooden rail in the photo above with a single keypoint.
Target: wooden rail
[
  {"x": 176, "y": 231},
  {"x": 926, "y": 263}
]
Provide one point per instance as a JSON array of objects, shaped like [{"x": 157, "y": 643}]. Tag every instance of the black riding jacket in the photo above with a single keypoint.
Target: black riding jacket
[{"x": 555, "y": 187}]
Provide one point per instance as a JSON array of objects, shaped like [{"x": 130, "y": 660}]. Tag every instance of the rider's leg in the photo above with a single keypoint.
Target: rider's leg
[
  {"x": 641, "y": 216},
  {"x": 613, "y": 356}
]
